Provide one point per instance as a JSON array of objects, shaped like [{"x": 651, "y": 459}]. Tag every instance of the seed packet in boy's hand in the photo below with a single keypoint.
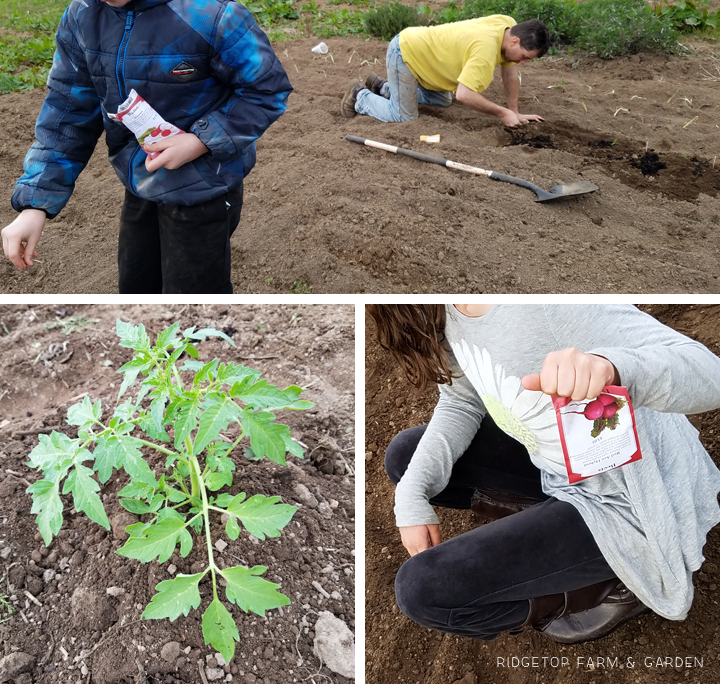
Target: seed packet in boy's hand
[
  {"x": 598, "y": 434},
  {"x": 147, "y": 125}
]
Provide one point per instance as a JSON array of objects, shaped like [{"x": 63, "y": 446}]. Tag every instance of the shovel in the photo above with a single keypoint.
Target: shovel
[{"x": 556, "y": 192}]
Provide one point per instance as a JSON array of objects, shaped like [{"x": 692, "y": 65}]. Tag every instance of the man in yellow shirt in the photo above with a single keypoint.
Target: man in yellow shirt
[{"x": 425, "y": 64}]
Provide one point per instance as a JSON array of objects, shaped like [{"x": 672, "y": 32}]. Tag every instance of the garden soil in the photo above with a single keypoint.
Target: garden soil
[
  {"x": 82, "y": 633},
  {"x": 325, "y": 215},
  {"x": 401, "y": 652}
]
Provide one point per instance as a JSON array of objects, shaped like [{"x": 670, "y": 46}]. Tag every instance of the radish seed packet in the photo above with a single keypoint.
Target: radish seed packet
[
  {"x": 599, "y": 434},
  {"x": 147, "y": 125}
]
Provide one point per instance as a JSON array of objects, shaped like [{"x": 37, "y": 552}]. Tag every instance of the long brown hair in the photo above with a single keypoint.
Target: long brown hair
[{"x": 415, "y": 336}]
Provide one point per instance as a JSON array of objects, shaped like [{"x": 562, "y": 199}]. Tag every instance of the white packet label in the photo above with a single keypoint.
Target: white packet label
[
  {"x": 597, "y": 435},
  {"x": 147, "y": 125}
]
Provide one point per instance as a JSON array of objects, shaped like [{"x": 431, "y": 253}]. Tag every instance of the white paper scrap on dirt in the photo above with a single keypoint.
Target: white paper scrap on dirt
[{"x": 335, "y": 644}]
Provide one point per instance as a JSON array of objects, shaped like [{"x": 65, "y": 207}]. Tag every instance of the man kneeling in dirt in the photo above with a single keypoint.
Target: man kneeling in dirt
[{"x": 425, "y": 64}]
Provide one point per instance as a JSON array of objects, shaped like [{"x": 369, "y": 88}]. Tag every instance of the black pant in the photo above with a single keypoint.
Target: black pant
[
  {"x": 478, "y": 584},
  {"x": 177, "y": 250}
]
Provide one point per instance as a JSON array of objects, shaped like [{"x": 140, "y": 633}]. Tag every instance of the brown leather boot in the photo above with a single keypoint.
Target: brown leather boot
[
  {"x": 545, "y": 610},
  {"x": 494, "y": 504},
  {"x": 619, "y": 606}
]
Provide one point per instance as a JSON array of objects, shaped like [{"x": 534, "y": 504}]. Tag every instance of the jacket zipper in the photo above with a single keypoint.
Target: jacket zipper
[{"x": 129, "y": 23}]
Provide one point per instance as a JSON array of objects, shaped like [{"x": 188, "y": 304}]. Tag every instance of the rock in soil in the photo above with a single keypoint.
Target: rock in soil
[
  {"x": 170, "y": 651},
  {"x": 119, "y": 522},
  {"x": 335, "y": 644},
  {"x": 13, "y": 665}
]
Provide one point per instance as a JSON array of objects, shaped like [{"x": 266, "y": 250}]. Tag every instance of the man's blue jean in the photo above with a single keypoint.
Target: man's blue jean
[{"x": 405, "y": 93}]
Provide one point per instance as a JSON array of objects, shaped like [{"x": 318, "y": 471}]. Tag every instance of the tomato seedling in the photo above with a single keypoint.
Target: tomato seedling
[{"x": 188, "y": 408}]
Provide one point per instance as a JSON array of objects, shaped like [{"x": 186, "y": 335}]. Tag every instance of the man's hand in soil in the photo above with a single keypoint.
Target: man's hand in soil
[
  {"x": 417, "y": 538},
  {"x": 479, "y": 103},
  {"x": 21, "y": 237},
  {"x": 573, "y": 374},
  {"x": 175, "y": 151},
  {"x": 513, "y": 119}
]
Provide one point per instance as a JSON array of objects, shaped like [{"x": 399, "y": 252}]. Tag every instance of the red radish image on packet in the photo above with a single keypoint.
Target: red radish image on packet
[
  {"x": 147, "y": 125},
  {"x": 599, "y": 434}
]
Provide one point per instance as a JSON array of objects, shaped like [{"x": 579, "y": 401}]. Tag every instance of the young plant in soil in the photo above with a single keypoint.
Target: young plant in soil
[{"x": 188, "y": 408}]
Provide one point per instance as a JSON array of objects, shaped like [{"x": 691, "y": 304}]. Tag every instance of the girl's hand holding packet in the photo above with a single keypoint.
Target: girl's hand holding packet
[
  {"x": 598, "y": 434},
  {"x": 147, "y": 125}
]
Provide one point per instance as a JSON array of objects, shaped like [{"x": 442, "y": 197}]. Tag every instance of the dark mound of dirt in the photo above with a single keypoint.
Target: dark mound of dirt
[
  {"x": 649, "y": 164},
  {"x": 77, "y": 603},
  {"x": 523, "y": 137}
]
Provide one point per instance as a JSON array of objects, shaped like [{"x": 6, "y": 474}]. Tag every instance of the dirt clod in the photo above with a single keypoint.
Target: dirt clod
[
  {"x": 649, "y": 164},
  {"x": 15, "y": 664}
]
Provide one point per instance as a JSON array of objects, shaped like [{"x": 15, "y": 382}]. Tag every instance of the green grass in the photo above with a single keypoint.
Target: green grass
[{"x": 27, "y": 41}]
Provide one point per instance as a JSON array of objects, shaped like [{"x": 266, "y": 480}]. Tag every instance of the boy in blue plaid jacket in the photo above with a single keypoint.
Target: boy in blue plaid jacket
[{"x": 206, "y": 67}]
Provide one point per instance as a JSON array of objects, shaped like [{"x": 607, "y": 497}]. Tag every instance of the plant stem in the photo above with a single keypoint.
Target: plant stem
[
  {"x": 192, "y": 461},
  {"x": 211, "y": 561}
]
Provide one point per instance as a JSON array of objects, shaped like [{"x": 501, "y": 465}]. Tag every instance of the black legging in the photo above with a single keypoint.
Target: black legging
[{"x": 478, "y": 584}]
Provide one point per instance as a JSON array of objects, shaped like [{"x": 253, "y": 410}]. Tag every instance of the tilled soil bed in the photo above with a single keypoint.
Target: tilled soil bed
[
  {"x": 326, "y": 215},
  {"x": 78, "y": 604},
  {"x": 401, "y": 652}
]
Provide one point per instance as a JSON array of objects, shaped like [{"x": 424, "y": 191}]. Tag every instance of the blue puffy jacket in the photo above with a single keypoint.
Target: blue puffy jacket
[{"x": 204, "y": 65}]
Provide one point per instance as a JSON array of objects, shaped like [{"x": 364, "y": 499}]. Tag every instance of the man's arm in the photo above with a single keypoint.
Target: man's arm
[
  {"x": 476, "y": 101},
  {"x": 511, "y": 86}
]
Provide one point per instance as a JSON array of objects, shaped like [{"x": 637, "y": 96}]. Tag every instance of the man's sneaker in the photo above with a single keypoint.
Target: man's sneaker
[
  {"x": 347, "y": 106},
  {"x": 374, "y": 83}
]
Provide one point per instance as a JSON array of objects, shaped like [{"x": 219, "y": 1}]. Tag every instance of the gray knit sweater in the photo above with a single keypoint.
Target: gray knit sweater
[{"x": 649, "y": 518}]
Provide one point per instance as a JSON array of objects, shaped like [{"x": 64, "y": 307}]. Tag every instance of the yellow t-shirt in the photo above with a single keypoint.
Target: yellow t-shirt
[{"x": 464, "y": 52}]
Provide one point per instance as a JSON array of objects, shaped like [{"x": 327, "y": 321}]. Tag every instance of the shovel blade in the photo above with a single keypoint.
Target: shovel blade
[{"x": 567, "y": 190}]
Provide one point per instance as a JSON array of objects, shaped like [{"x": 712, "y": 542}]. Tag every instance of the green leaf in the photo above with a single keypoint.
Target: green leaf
[
  {"x": 84, "y": 413},
  {"x": 206, "y": 372},
  {"x": 207, "y": 332},
  {"x": 266, "y": 438},
  {"x": 293, "y": 447},
  {"x": 85, "y": 497},
  {"x": 48, "y": 506},
  {"x": 185, "y": 422},
  {"x": 219, "y": 630},
  {"x": 215, "y": 481},
  {"x": 186, "y": 543},
  {"x": 158, "y": 541},
  {"x": 260, "y": 515},
  {"x": 134, "y": 506},
  {"x": 167, "y": 337},
  {"x": 132, "y": 460},
  {"x": 106, "y": 457},
  {"x": 252, "y": 593},
  {"x": 262, "y": 395},
  {"x": 232, "y": 529},
  {"x": 132, "y": 370},
  {"x": 133, "y": 336},
  {"x": 213, "y": 421},
  {"x": 157, "y": 410},
  {"x": 137, "y": 490},
  {"x": 175, "y": 597},
  {"x": 52, "y": 450},
  {"x": 223, "y": 500}
]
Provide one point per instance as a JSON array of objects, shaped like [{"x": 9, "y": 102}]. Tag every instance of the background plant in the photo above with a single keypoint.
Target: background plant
[
  {"x": 388, "y": 20},
  {"x": 188, "y": 408},
  {"x": 689, "y": 15}
]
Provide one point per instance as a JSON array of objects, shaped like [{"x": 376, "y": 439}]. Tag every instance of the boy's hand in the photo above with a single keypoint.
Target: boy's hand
[
  {"x": 417, "y": 538},
  {"x": 175, "y": 151},
  {"x": 574, "y": 374},
  {"x": 21, "y": 237}
]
